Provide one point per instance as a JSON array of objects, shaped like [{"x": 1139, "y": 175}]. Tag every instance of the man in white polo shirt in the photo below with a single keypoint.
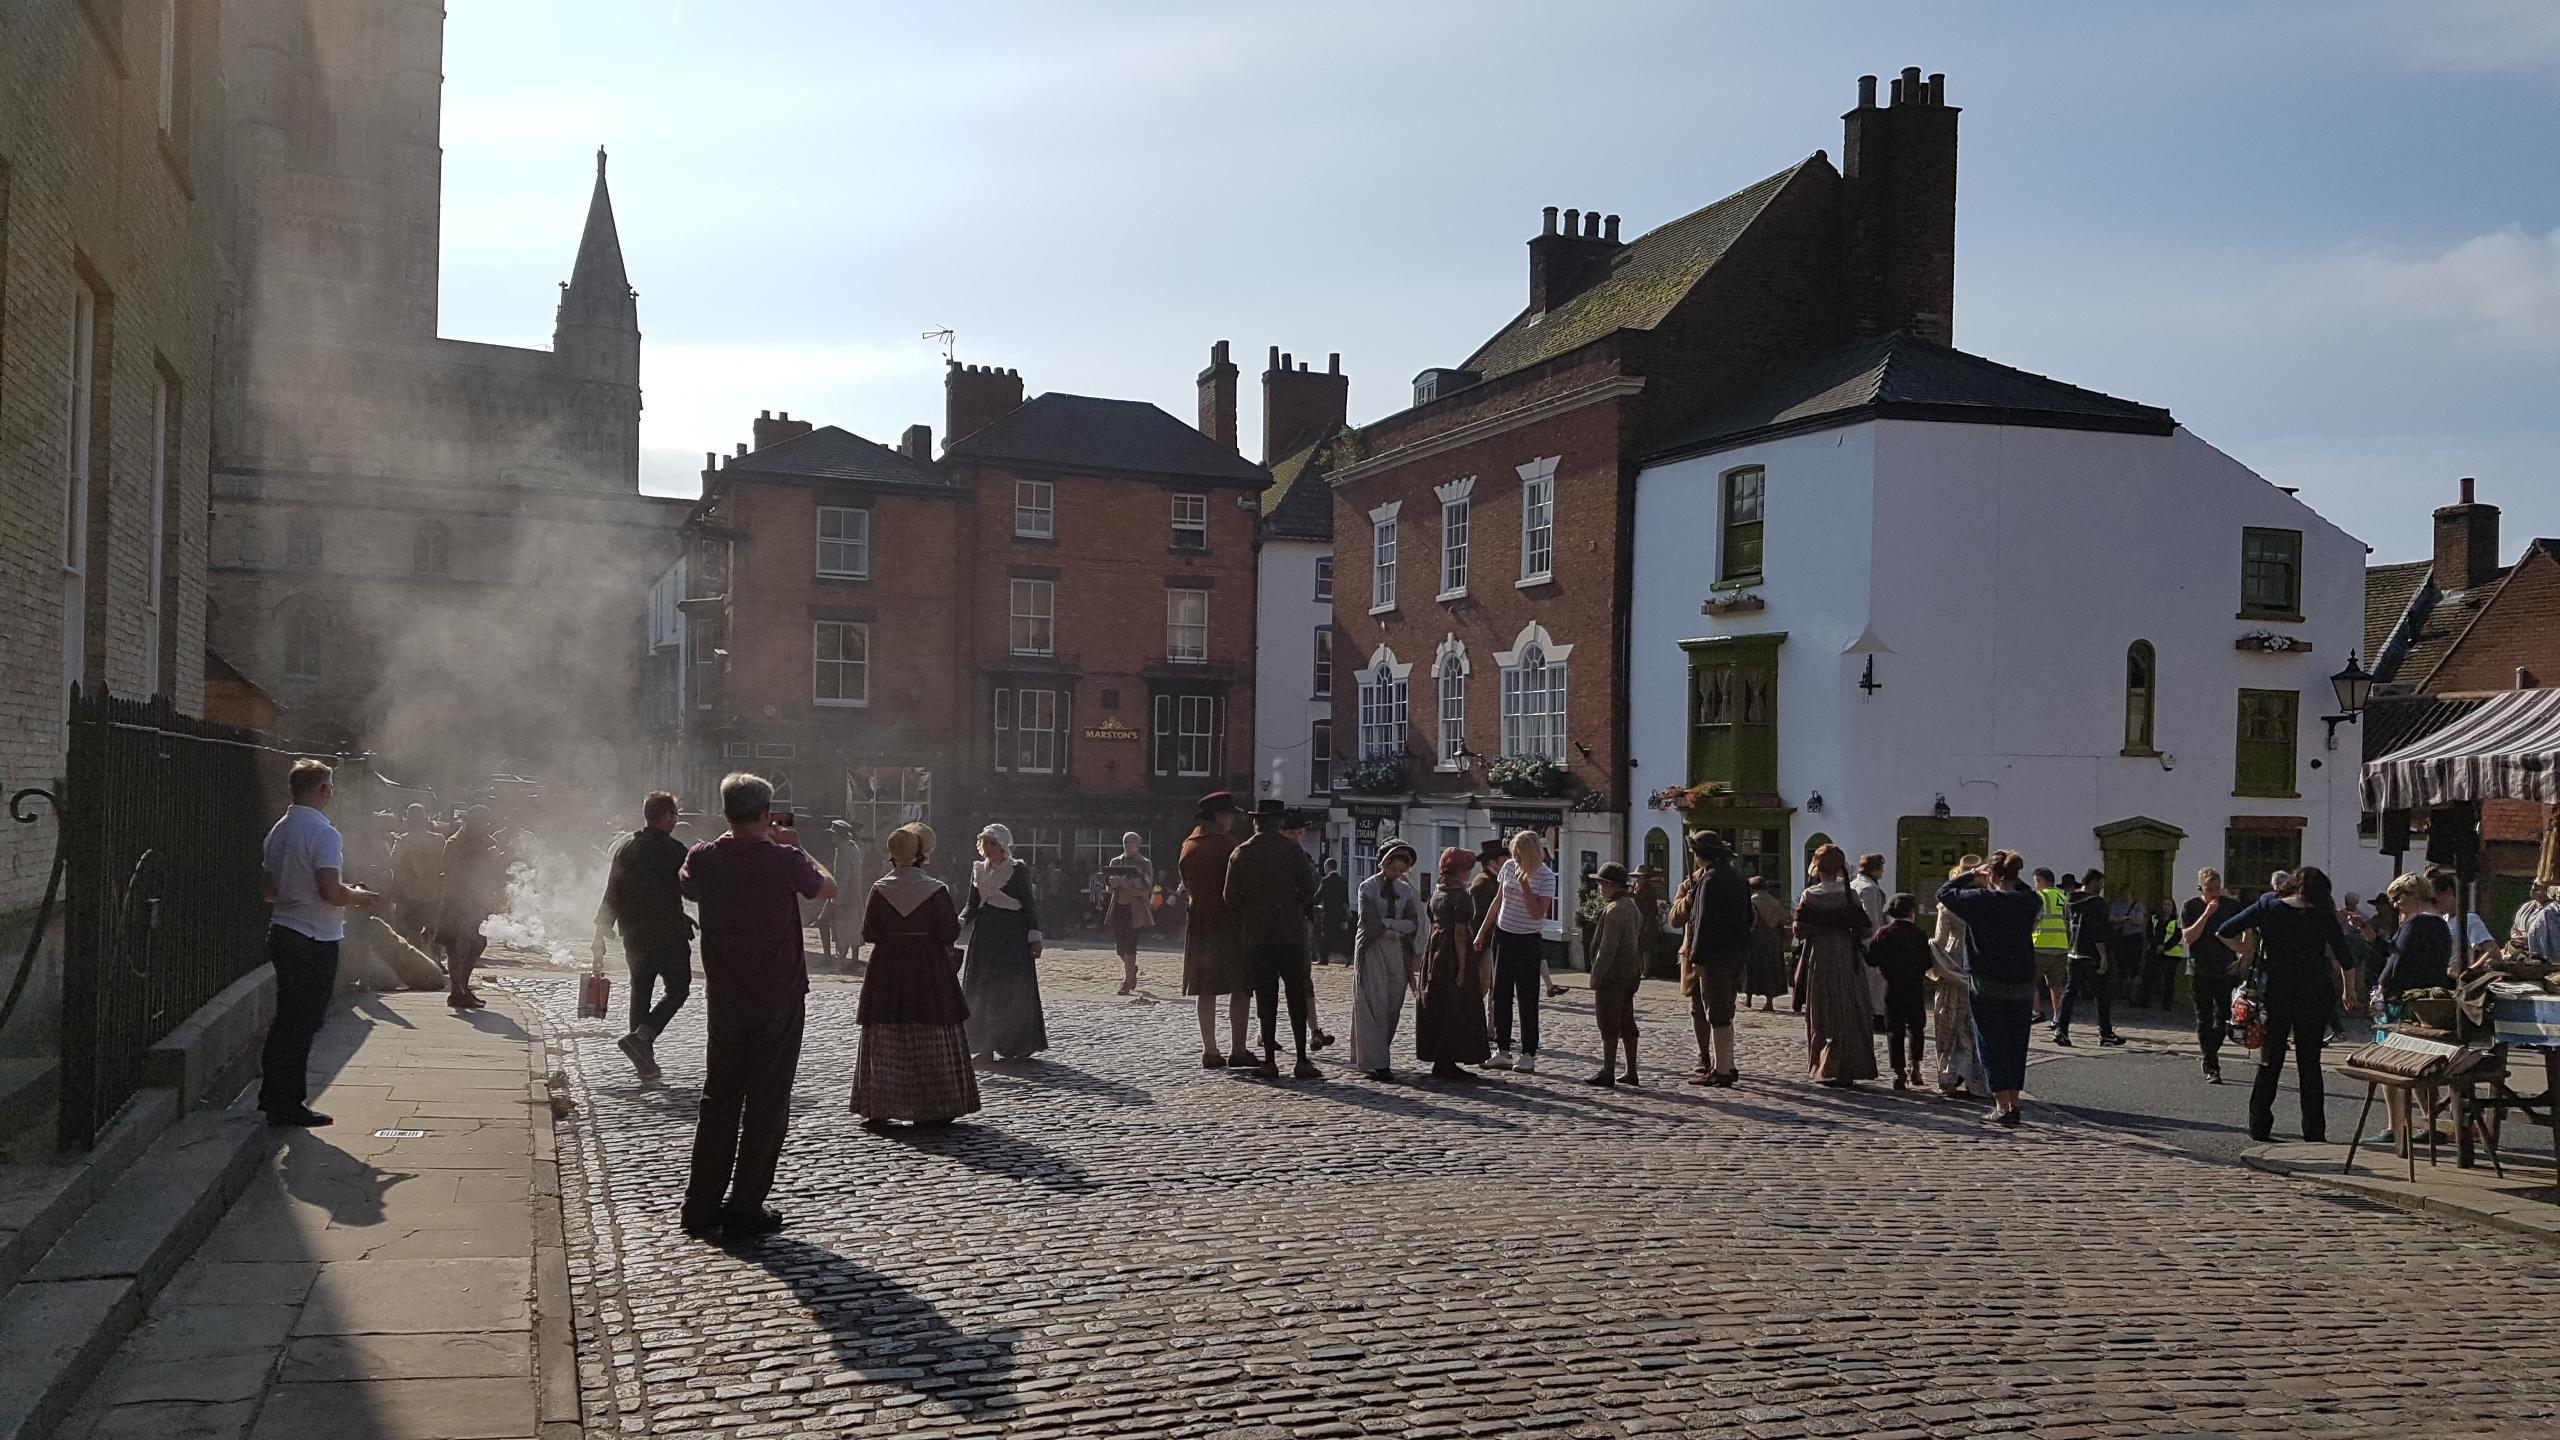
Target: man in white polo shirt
[{"x": 303, "y": 858}]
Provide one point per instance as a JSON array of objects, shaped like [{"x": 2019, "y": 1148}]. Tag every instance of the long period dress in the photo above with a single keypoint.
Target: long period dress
[
  {"x": 1448, "y": 1024},
  {"x": 1001, "y": 981},
  {"x": 1383, "y": 959},
  {"x": 912, "y": 1062},
  {"x": 1839, "y": 1028},
  {"x": 1765, "y": 973},
  {"x": 1951, "y": 1009}
]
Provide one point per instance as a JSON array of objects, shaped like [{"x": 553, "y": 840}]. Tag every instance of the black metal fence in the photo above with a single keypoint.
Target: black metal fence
[{"x": 162, "y": 821}]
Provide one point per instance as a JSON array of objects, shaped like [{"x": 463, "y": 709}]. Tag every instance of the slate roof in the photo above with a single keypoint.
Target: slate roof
[
  {"x": 1900, "y": 377},
  {"x": 831, "y": 452},
  {"x": 2389, "y": 590},
  {"x": 1653, "y": 273},
  {"x": 1086, "y": 432},
  {"x": 2441, "y": 625},
  {"x": 1299, "y": 504}
]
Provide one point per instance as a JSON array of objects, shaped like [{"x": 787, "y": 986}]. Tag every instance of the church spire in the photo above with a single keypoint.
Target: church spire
[{"x": 598, "y": 329}]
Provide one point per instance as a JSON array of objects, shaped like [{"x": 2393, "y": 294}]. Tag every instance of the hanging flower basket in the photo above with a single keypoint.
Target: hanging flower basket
[
  {"x": 1527, "y": 777},
  {"x": 1378, "y": 775},
  {"x": 1689, "y": 797}
]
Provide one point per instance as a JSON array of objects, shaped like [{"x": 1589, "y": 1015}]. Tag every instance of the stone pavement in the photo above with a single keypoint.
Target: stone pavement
[
  {"x": 1124, "y": 1244},
  {"x": 374, "y": 1286}
]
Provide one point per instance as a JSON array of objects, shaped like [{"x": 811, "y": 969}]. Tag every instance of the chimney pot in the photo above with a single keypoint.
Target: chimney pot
[
  {"x": 1218, "y": 398},
  {"x": 742, "y": 449},
  {"x": 1218, "y": 353},
  {"x": 1573, "y": 222},
  {"x": 1551, "y": 220},
  {"x": 1866, "y": 92},
  {"x": 1333, "y": 364},
  {"x": 1938, "y": 89},
  {"x": 917, "y": 444},
  {"x": 786, "y": 415},
  {"x": 1274, "y": 362},
  {"x": 1911, "y": 81},
  {"x": 2468, "y": 481},
  {"x": 1896, "y": 94},
  {"x": 1609, "y": 230},
  {"x": 764, "y": 414},
  {"x": 2466, "y": 548}
]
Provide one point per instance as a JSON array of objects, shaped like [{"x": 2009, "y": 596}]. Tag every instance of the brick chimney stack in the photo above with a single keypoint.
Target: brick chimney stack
[
  {"x": 917, "y": 444},
  {"x": 2466, "y": 542},
  {"x": 975, "y": 396},
  {"x": 1218, "y": 397},
  {"x": 1564, "y": 263},
  {"x": 772, "y": 429},
  {"x": 1898, "y": 167},
  {"x": 1301, "y": 406}
]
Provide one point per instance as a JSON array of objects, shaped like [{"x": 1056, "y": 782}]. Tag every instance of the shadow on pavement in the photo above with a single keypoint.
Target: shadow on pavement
[
  {"x": 991, "y": 1151},
  {"x": 1049, "y": 1075},
  {"x": 498, "y": 1025},
  {"x": 889, "y": 1333},
  {"x": 1400, "y": 1100}
]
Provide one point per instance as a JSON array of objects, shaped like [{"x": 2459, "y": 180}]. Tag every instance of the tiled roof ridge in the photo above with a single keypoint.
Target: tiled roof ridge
[{"x": 1902, "y": 342}]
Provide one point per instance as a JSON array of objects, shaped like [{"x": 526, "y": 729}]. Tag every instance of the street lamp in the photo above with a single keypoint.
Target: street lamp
[{"x": 2354, "y": 687}]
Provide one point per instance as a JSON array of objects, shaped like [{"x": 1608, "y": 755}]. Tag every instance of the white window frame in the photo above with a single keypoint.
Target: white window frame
[
  {"x": 1382, "y": 557},
  {"x": 1449, "y": 674},
  {"x": 1320, "y": 758},
  {"x": 156, "y": 582},
  {"x": 1385, "y": 702},
  {"x": 1190, "y": 521},
  {"x": 1026, "y": 748},
  {"x": 1324, "y": 578},
  {"x": 845, "y": 555},
  {"x": 852, "y": 676},
  {"x": 1457, "y": 511},
  {"x": 1195, "y": 736},
  {"x": 1538, "y": 521},
  {"x": 1035, "y": 510},
  {"x": 1180, "y": 628},
  {"x": 1324, "y": 663},
  {"x": 1535, "y": 692},
  {"x": 1033, "y": 629}
]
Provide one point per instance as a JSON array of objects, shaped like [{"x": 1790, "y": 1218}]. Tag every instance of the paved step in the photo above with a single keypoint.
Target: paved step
[
  {"x": 40, "y": 1199},
  {"x": 64, "y": 1320}
]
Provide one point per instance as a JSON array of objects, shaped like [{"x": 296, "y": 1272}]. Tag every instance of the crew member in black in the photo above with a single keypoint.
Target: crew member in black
[
  {"x": 644, "y": 901},
  {"x": 2092, "y": 939}
]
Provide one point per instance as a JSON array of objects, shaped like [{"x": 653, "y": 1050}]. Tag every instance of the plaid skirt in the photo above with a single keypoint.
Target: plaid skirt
[{"x": 919, "y": 1073}]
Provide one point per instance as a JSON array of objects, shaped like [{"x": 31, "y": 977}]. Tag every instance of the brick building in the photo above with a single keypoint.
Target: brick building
[
  {"x": 422, "y": 545},
  {"x": 1304, "y": 436},
  {"x": 2445, "y": 632},
  {"x": 111, "y": 262},
  {"x": 1051, "y": 625},
  {"x": 1482, "y": 538}
]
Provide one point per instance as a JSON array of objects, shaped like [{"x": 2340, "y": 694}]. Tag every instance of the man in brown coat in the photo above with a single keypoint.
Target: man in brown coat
[
  {"x": 1271, "y": 888},
  {"x": 1212, "y": 961}
]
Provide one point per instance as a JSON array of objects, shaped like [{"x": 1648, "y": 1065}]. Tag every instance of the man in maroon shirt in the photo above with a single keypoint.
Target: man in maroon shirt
[{"x": 748, "y": 886}]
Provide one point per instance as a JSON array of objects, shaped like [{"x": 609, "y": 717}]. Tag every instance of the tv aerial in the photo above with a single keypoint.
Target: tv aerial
[{"x": 946, "y": 335}]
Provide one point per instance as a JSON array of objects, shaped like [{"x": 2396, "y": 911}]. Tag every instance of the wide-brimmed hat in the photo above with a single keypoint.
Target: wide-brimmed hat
[
  {"x": 1392, "y": 849},
  {"x": 1217, "y": 801},
  {"x": 1613, "y": 873},
  {"x": 1268, "y": 809},
  {"x": 910, "y": 843}
]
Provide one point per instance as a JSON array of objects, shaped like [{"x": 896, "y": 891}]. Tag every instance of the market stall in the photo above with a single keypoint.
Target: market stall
[{"x": 2507, "y": 749}]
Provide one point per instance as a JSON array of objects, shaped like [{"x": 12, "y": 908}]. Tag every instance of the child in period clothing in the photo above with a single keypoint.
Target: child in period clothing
[
  {"x": 1900, "y": 953},
  {"x": 1617, "y": 966}
]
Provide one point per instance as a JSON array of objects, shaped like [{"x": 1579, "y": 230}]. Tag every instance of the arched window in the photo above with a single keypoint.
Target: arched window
[
  {"x": 431, "y": 551},
  {"x": 1533, "y": 695},
  {"x": 1383, "y": 702},
  {"x": 1657, "y": 854},
  {"x": 2141, "y": 697},
  {"x": 306, "y": 638},
  {"x": 1449, "y": 672},
  {"x": 1813, "y": 842}
]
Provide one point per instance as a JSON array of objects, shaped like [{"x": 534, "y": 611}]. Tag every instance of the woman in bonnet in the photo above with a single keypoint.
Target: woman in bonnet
[
  {"x": 1001, "y": 983},
  {"x": 912, "y": 1062}
]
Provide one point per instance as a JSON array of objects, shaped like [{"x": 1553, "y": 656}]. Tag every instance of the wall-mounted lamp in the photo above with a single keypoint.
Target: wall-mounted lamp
[
  {"x": 2354, "y": 687},
  {"x": 1941, "y": 809},
  {"x": 1813, "y": 803}
]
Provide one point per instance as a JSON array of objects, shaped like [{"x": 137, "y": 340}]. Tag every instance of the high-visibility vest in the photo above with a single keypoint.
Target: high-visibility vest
[
  {"x": 2173, "y": 945},
  {"x": 2053, "y": 927}
]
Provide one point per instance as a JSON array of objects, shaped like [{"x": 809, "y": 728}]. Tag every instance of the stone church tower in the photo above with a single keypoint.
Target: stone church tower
[{"x": 432, "y": 548}]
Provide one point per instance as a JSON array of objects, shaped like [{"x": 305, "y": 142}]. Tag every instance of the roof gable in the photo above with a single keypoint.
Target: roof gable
[
  {"x": 1086, "y": 432},
  {"x": 831, "y": 452},
  {"x": 2389, "y": 593},
  {"x": 1299, "y": 504},
  {"x": 1645, "y": 281},
  {"x": 1902, "y": 377}
]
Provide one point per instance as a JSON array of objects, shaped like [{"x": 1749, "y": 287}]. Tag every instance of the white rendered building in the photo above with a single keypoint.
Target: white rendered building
[{"x": 1922, "y": 604}]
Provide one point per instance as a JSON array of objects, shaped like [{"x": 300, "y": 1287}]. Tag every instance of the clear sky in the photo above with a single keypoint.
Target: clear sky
[{"x": 2325, "y": 235}]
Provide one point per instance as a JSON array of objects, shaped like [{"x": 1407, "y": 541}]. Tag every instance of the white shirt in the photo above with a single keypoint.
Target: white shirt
[
  {"x": 2542, "y": 937},
  {"x": 1871, "y": 898},
  {"x": 1513, "y": 915},
  {"x": 302, "y": 844},
  {"x": 2475, "y": 934}
]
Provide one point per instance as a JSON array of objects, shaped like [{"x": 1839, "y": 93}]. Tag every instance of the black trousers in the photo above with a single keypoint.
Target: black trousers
[
  {"x": 306, "y": 975},
  {"x": 670, "y": 966},
  {"x": 1515, "y": 985},
  {"x": 1906, "y": 1021},
  {"x": 747, "y": 1069},
  {"x": 2213, "y": 1015},
  {"x": 2085, "y": 980},
  {"x": 1278, "y": 968},
  {"x": 2305, "y": 1031},
  {"x": 2159, "y": 979}
]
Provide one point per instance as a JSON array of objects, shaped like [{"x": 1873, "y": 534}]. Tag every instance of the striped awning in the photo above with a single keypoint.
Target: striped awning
[{"x": 2508, "y": 749}]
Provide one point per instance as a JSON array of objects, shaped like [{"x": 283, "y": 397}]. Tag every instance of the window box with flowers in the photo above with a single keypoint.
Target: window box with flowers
[
  {"x": 2269, "y": 642},
  {"x": 1527, "y": 777},
  {"x": 1703, "y": 795},
  {"x": 1377, "y": 775}
]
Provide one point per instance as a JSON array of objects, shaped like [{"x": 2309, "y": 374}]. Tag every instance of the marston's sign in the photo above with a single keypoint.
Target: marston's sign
[{"x": 1114, "y": 728}]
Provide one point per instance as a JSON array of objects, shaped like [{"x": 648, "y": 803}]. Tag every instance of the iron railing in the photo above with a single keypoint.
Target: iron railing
[{"x": 162, "y": 821}]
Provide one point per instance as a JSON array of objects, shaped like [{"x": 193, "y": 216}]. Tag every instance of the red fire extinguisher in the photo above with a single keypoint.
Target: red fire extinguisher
[{"x": 595, "y": 991}]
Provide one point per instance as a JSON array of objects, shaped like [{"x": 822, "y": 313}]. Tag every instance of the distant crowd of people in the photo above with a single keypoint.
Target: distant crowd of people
[{"x": 1468, "y": 948}]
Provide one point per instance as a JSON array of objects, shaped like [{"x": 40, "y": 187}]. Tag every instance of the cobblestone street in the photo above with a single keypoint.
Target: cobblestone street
[{"x": 1125, "y": 1244}]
